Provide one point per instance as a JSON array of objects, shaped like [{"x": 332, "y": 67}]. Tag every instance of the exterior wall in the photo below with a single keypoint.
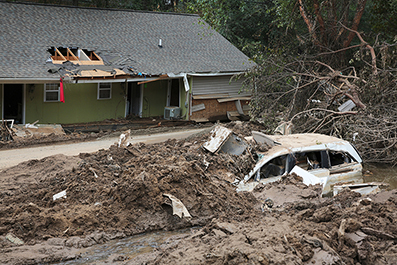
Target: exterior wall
[
  {"x": 81, "y": 105},
  {"x": 182, "y": 100},
  {"x": 154, "y": 98},
  {"x": 214, "y": 87},
  {"x": 1, "y": 100},
  {"x": 223, "y": 84},
  {"x": 213, "y": 109}
]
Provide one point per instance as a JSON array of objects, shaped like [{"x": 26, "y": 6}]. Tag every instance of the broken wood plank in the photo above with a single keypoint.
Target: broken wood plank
[
  {"x": 198, "y": 107},
  {"x": 233, "y": 99},
  {"x": 210, "y": 96},
  {"x": 377, "y": 233},
  {"x": 153, "y": 80}
]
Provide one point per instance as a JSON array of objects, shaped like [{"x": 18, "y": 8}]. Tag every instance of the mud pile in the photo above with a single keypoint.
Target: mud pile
[
  {"x": 346, "y": 229},
  {"x": 120, "y": 191}
]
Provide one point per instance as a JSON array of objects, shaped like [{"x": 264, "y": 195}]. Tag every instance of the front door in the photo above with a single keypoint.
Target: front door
[
  {"x": 13, "y": 102},
  {"x": 134, "y": 99}
]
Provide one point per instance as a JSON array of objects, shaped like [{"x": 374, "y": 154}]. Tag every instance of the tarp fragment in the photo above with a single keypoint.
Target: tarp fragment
[{"x": 178, "y": 207}]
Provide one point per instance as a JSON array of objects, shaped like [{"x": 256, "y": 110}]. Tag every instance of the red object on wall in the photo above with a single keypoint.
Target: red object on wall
[{"x": 62, "y": 98}]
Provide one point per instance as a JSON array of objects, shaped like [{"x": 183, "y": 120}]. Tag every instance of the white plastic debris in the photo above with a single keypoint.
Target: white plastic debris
[
  {"x": 31, "y": 126},
  {"x": 14, "y": 239},
  {"x": 354, "y": 136},
  {"x": 177, "y": 207},
  {"x": 93, "y": 171},
  {"x": 347, "y": 106},
  {"x": 123, "y": 140},
  {"x": 206, "y": 163},
  {"x": 59, "y": 195},
  {"x": 309, "y": 178}
]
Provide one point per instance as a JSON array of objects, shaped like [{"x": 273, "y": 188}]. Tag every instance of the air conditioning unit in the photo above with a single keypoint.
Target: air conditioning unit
[{"x": 171, "y": 113}]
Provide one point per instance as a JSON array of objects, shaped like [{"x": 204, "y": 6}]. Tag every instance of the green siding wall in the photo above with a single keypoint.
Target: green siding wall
[
  {"x": 154, "y": 98},
  {"x": 81, "y": 105}
]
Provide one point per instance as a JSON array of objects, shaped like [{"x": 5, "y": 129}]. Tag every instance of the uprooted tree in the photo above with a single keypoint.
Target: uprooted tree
[
  {"x": 339, "y": 85},
  {"x": 355, "y": 105}
]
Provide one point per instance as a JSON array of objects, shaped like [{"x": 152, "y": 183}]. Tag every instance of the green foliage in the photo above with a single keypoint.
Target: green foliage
[
  {"x": 270, "y": 82},
  {"x": 383, "y": 18},
  {"x": 246, "y": 24}
]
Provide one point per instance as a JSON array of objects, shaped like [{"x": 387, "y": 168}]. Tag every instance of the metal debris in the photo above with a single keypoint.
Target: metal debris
[
  {"x": 308, "y": 178},
  {"x": 234, "y": 145},
  {"x": 263, "y": 138},
  {"x": 218, "y": 136},
  {"x": 362, "y": 188}
]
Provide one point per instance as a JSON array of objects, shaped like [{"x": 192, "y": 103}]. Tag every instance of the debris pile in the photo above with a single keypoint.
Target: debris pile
[
  {"x": 43, "y": 134},
  {"x": 135, "y": 188},
  {"x": 346, "y": 229},
  {"x": 122, "y": 189},
  {"x": 6, "y": 132}
]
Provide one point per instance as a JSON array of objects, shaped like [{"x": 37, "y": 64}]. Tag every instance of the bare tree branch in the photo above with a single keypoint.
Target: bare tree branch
[
  {"x": 356, "y": 21},
  {"x": 373, "y": 55}
]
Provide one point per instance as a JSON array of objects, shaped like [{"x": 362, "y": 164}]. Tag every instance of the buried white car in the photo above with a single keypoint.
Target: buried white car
[{"x": 316, "y": 158}]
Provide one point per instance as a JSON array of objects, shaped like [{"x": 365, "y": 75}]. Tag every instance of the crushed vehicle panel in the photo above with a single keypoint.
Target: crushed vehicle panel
[{"x": 321, "y": 155}]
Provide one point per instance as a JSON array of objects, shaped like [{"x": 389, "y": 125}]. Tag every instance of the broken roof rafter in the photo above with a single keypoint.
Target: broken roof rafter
[
  {"x": 58, "y": 55},
  {"x": 77, "y": 55}
]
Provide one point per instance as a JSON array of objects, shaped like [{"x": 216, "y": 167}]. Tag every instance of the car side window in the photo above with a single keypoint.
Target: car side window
[
  {"x": 338, "y": 158},
  {"x": 274, "y": 167},
  {"x": 312, "y": 160}
]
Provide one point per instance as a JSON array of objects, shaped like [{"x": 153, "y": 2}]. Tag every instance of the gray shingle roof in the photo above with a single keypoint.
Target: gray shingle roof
[{"x": 121, "y": 37}]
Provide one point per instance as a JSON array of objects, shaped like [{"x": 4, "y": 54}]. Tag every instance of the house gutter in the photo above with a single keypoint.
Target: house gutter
[
  {"x": 28, "y": 80},
  {"x": 216, "y": 74}
]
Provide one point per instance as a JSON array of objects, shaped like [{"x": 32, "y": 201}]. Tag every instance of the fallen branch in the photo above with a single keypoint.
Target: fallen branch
[
  {"x": 378, "y": 233},
  {"x": 326, "y": 110},
  {"x": 371, "y": 49},
  {"x": 341, "y": 234}
]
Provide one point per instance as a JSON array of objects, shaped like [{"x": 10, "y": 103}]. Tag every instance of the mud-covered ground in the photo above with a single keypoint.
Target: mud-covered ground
[
  {"x": 74, "y": 133},
  {"x": 119, "y": 192}
]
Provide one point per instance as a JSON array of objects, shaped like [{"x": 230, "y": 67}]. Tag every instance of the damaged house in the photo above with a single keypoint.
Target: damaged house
[{"x": 74, "y": 65}]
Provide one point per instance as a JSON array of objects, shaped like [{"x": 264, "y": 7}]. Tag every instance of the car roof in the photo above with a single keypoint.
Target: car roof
[
  {"x": 307, "y": 142},
  {"x": 304, "y": 139}
]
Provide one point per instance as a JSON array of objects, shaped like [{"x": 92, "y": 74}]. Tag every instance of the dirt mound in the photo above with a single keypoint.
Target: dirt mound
[
  {"x": 119, "y": 192},
  {"x": 33, "y": 171},
  {"x": 346, "y": 229}
]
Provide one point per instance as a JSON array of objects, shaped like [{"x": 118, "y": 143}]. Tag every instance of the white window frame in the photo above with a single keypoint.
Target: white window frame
[
  {"x": 58, "y": 90},
  {"x": 108, "y": 86}
]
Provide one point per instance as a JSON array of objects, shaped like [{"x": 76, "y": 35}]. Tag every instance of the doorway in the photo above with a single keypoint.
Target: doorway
[
  {"x": 134, "y": 94},
  {"x": 13, "y": 103},
  {"x": 173, "y": 93}
]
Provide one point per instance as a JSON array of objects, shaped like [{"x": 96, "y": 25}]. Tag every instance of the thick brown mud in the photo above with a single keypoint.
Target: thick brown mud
[{"x": 119, "y": 192}]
